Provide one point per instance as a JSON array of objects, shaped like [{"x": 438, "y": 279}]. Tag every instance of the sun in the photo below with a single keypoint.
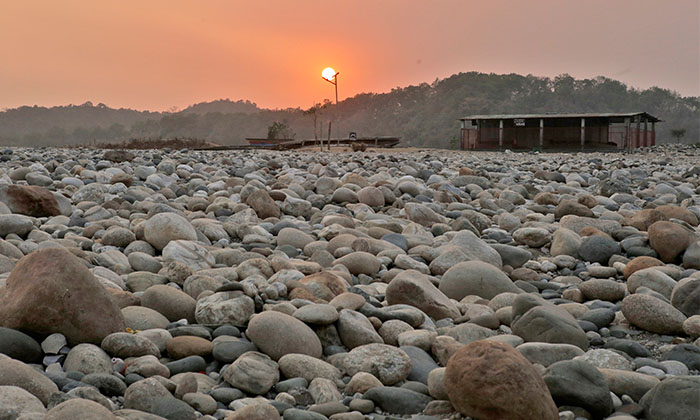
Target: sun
[{"x": 328, "y": 73}]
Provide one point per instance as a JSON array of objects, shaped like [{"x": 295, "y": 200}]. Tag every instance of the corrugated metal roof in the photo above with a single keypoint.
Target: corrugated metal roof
[{"x": 650, "y": 117}]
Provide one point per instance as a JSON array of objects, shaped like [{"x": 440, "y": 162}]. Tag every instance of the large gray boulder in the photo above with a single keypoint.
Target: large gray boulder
[
  {"x": 578, "y": 383},
  {"x": 413, "y": 288},
  {"x": 476, "y": 278}
]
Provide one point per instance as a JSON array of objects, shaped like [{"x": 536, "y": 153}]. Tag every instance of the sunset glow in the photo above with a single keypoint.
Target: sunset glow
[{"x": 160, "y": 54}]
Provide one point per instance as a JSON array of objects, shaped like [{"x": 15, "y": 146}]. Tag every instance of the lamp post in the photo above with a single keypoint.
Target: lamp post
[{"x": 331, "y": 76}]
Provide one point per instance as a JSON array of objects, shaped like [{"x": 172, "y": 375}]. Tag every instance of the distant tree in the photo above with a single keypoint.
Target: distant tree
[
  {"x": 279, "y": 130},
  {"x": 314, "y": 112},
  {"x": 678, "y": 133}
]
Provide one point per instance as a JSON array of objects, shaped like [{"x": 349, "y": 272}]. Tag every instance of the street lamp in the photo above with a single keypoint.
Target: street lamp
[{"x": 331, "y": 76}]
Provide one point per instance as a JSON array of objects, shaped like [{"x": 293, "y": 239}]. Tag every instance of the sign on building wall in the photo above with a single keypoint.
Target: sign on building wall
[{"x": 519, "y": 122}]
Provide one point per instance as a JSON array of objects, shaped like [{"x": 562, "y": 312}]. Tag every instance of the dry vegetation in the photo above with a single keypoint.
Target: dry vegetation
[{"x": 142, "y": 144}]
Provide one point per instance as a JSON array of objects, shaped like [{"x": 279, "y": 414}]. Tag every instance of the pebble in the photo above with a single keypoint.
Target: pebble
[{"x": 255, "y": 284}]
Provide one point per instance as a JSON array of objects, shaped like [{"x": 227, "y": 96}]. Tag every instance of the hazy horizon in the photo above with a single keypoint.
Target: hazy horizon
[{"x": 165, "y": 54}]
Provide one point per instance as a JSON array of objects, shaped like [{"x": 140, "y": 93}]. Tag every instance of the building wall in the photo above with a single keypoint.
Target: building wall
[{"x": 558, "y": 134}]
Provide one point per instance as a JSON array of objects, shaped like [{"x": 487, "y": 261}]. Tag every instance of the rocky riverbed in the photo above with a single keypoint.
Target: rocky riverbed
[{"x": 176, "y": 284}]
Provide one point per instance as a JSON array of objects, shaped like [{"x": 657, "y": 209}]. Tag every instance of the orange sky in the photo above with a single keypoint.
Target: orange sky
[{"x": 155, "y": 54}]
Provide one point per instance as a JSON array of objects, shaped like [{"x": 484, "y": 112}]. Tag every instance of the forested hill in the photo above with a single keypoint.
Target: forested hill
[{"x": 423, "y": 115}]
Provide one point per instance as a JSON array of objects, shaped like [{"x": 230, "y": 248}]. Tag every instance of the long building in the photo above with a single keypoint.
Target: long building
[{"x": 559, "y": 132}]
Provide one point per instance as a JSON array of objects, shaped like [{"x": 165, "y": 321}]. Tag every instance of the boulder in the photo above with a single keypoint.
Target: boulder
[
  {"x": 360, "y": 263},
  {"x": 669, "y": 240},
  {"x": 16, "y": 402},
  {"x": 652, "y": 314},
  {"x": 475, "y": 278},
  {"x": 653, "y": 279},
  {"x": 532, "y": 236},
  {"x": 356, "y": 330},
  {"x": 578, "y": 383},
  {"x": 413, "y": 288},
  {"x": 256, "y": 412},
  {"x": 536, "y": 320},
  {"x": 51, "y": 290},
  {"x": 162, "y": 228},
  {"x": 673, "y": 398},
  {"x": 190, "y": 253},
  {"x": 307, "y": 367},
  {"x": 253, "y": 372},
  {"x": 387, "y": 363},
  {"x": 129, "y": 345},
  {"x": 233, "y": 308},
  {"x": 87, "y": 358},
  {"x": 493, "y": 381},
  {"x": 371, "y": 196},
  {"x": 396, "y": 400},
  {"x": 691, "y": 256},
  {"x": 17, "y": 374},
  {"x": 623, "y": 382},
  {"x": 172, "y": 303},
  {"x": 597, "y": 248},
  {"x": 263, "y": 204},
  {"x": 686, "y": 296},
  {"x": 565, "y": 242},
  {"x": 29, "y": 200},
  {"x": 79, "y": 408},
  {"x": 640, "y": 263},
  {"x": 19, "y": 345},
  {"x": 277, "y": 334}
]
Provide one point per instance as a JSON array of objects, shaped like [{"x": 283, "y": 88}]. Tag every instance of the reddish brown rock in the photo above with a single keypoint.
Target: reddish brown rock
[
  {"x": 587, "y": 200},
  {"x": 189, "y": 345},
  {"x": 645, "y": 218},
  {"x": 51, "y": 290},
  {"x": 29, "y": 200},
  {"x": 572, "y": 207},
  {"x": 592, "y": 231},
  {"x": 125, "y": 179},
  {"x": 546, "y": 198},
  {"x": 263, "y": 204},
  {"x": 300, "y": 291},
  {"x": 669, "y": 240},
  {"x": 255, "y": 412},
  {"x": 122, "y": 298},
  {"x": 493, "y": 381},
  {"x": 640, "y": 263},
  {"x": 675, "y": 212},
  {"x": 325, "y": 285}
]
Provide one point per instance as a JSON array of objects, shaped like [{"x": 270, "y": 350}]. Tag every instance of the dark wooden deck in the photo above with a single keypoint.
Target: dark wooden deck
[{"x": 265, "y": 144}]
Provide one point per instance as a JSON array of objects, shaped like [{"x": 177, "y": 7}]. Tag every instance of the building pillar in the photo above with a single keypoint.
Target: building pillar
[
  {"x": 653, "y": 133},
  {"x": 500, "y": 135},
  {"x": 646, "y": 133},
  {"x": 637, "y": 135},
  {"x": 541, "y": 133},
  {"x": 583, "y": 132},
  {"x": 627, "y": 134}
]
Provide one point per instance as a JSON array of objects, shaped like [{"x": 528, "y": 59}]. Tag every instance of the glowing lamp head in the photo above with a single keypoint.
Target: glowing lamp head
[{"x": 328, "y": 73}]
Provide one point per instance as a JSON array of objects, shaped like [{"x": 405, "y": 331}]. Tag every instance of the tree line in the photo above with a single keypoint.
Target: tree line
[{"x": 424, "y": 115}]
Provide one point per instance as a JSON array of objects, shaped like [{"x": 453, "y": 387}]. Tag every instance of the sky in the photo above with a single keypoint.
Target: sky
[{"x": 160, "y": 54}]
